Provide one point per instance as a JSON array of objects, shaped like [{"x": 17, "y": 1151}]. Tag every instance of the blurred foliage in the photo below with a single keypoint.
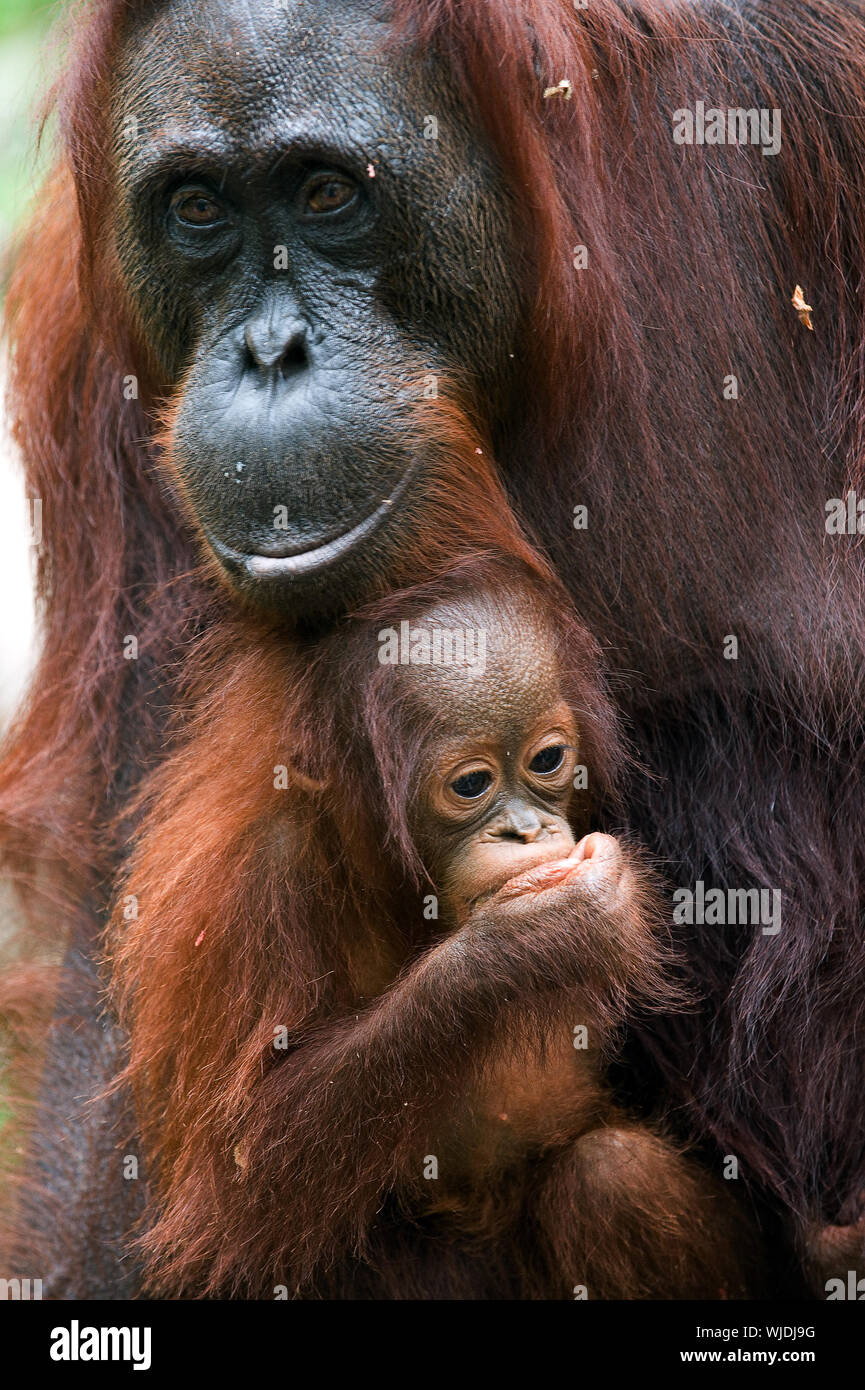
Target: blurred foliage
[
  {"x": 15, "y": 14},
  {"x": 25, "y": 74}
]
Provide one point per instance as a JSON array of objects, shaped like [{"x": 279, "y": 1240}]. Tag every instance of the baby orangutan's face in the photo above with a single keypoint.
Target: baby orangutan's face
[{"x": 494, "y": 803}]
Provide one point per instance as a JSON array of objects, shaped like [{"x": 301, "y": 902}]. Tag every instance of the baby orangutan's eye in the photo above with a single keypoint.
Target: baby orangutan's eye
[
  {"x": 548, "y": 759},
  {"x": 472, "y": 784}
]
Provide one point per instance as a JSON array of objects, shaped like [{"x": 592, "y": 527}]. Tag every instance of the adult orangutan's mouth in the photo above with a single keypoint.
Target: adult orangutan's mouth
[
  {"x": 297, "y": 563},
  {"x": 301, "y": 562}
]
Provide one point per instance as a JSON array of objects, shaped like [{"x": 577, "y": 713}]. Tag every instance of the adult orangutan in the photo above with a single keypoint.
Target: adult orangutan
[{"x": 273, "y": 234}]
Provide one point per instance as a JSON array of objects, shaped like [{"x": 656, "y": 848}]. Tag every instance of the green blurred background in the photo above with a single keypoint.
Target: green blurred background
[{"x": 25, "y": 73}]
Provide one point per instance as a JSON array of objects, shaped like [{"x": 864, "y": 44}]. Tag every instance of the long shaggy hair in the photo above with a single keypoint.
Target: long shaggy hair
[
  {"x": 705, "y": 520},
  {"x": 295, "y": 901}
]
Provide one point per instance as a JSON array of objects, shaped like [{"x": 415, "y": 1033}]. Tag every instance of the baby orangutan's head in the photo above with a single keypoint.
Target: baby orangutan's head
[{"x": 496, "y": 772}]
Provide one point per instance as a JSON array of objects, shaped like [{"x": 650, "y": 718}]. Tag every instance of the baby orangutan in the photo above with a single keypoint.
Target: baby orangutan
[
  {"x": 499, "y": 746},
  {"x": 437, "y": 1122}
]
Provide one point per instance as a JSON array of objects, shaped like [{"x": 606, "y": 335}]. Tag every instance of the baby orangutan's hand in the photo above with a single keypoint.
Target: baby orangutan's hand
[{"x": 589, "y": 920}]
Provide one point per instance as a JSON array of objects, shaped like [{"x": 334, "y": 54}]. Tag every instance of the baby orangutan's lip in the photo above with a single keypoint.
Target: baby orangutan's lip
[
  {"x": 547, "y": 874},
  {"x": 539, "y": 879}
]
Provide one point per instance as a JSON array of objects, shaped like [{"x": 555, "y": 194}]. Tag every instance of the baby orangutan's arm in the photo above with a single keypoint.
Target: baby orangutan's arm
[{"x": 351, "y": 1114}]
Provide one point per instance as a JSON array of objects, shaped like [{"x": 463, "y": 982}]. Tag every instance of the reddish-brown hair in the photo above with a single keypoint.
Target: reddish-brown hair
[
  {"x": 276, "y": 884},
  {"x": 696, "y": 507}
]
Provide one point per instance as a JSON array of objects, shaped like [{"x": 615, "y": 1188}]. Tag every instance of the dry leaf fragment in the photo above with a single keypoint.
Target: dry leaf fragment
[
  {"x": 562, "y": 89},
  {"x": 803, "y": 310}
]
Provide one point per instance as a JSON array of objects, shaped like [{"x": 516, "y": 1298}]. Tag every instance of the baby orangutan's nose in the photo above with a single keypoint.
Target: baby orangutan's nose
[{"x": 524, "y": 823}]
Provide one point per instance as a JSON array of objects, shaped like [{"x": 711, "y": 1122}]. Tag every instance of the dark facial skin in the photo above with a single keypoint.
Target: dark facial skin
[{"x": 240, "y": 130}]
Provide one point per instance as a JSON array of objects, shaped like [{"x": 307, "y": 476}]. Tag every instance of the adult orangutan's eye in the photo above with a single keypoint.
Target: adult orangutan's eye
[
  {"x": 548, "y": 760},
  {"x": 472, "y": 784},
  {"x": 195, "y": 207},
  {"x": 330, "y": 194}
]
